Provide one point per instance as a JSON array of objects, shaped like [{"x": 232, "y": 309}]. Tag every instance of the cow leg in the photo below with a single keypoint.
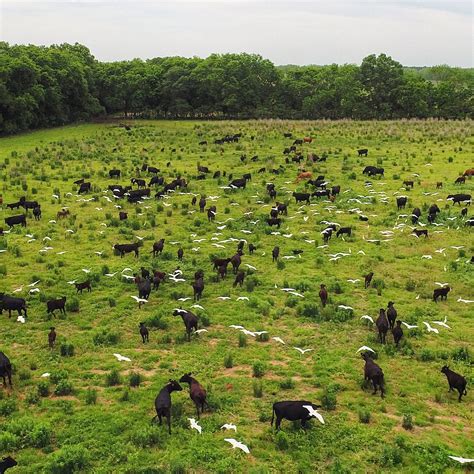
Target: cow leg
[
  {"x": 168, "y": 416},
  {"x": 278, "y": 422},
  {"x": 459, "y": 390},
  {"x": 375, "y": 387},
  {"x": 197, "y": 409}
]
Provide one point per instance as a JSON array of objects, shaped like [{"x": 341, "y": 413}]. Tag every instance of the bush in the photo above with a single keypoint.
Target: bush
[
  {"x": 257, "y": 389},
  {"x": 287, "y": 384},
  {"x": 113, "y": 378},
  {"x": 242, "y": 340},
  {"x": 105, "y": 338},
  {"x": 228, "y": 361},
  {"x": 265, "y": 337},
  {"x": 43, "y": 388},
  {"x": 91, "y": 396},
  {"x": 461, "y": 354},
  {"x": 72, "y": 305},
  {"x": 67, "y": 350},
  {"x": 145, "y": 437},
  {"x": 281, "y": 439},
  {"x": 328, "y": 400},
  {"x": 58, "y": 375},
  {"x": 364, "y": 415},
  {"x": 8, "y": 441},
  {"x": 64, "y": 387},
  {"x": 157, "y": 322},
  {"x": 135, "y": 379},
  {"x": 69, "y": 459},
  {"x": 7, "y": 406},
  {"x": 309, "y": 310},
  {"x": 258, "y": 369},
  {"x": 407, "y": 422},
  {"x": 391, "y": 456}
]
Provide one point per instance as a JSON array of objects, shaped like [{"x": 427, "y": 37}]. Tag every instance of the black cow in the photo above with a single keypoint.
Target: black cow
[
  {"x": 382, "y": 325},
  {"x": 302, "y": 197},
  {"x": 391, "y": 314},
  {"x": 363, "y": 152},
  {"x": 198, "y": 287},
  {"x": 14, "y": 205},
  {"x": 441, "y": 293},
  {"x": 158, "y": 247},
  {"x": 127, "y": 248},
  {"x": 153, "y": 170},
  {"x": 397, "y": 332},
  {"x": 236, "y": 261},
  {"x": 144, "y": 288},
  {"x": 275, "y": 254},
  {"x": 123, "y": 215},
  {"x": 190, "y": 321},
  {"x": 415, "y": 215},
  {"x": 219, "y": 262},
  {"x": 335, "y": 190},
  {"x": 368, "y": 279},
  {"x": 408, "y": 184},
  {"x": 247, "y": 177},
  {"x": 86, "y": 285},
  {"x": 368, "y": 170},
  {"x": 327, "y": 234},
  {"x": 28, "y": 204},
  {"x": 323, "y": 295},
  {"x": 375, "y": 171},
  {"x": 274, "y": 221},
  {"x": 163, "y": 402},
  {"x": 373, "y": 373},
  {"x": 292, "y": 410},
  {"x": 239, "y": 278},
  {"x": 156, "y": 181},
  {"x": 7, "y": 463},
  {"x": 420, "y": 232},
  {"x": 455, "y": 381},
  {"x": 217, "y": 174},
  {"x": 196, "y": 392},
  {"x": 141, "y": 183},
  {"x": 344, "y": 230},
  {"x": 52, "y": 337},
  {"x": 5, "y": 369},
  {"x": 79, "y": 181},
  {"x": 114, "y": 173},
  {"x": 10, "y": 303},
  {"x": 401, "y": 202},
  {"x": 238, "y": 183},
  {"x": 144, "y": 333},
  {"x": 434, "y": 209},
  {"x": 84, "y": 188},
  {"x": 321, "y": 193},
  {"x": 15, "y": 220},
  {"x": 459, "y": 198},
  {"x": 37, "y": 213},
  {"x": 60, "y": 304},
  {"x": 252, "y": 248}
]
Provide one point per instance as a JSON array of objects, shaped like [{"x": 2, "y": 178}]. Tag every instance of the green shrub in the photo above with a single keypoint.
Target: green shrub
[
  {"x": 309, "y": 310},
  {"x": 364, "y": 415},
  {"x": 8, "y": 441},
  {"x": 257, "y": 389},
  {"x": 72, "y": 305},
  {"x": 461, "y": 354},
  {"x": 391, "y": 456},
  {"x": 67, "y": 350},
  {"x": 43, "y": 388},
  {"x": 281, "y": 439},
  {"x": 228, "y": 361},
  {"x": 157, "y": 322},
  {"x": 32, "y": 398},
  {"x": 105, "y": 338},
  {"x": 258, "y": 369},
  {"x": 145, "y": 437},
  {"x": 135, "y": 379},
  {"x": 58, "y": 375},
  {"x": 113, "y": 378},
  {"x": 242, "y": 339},
  {"x": 7, "y": 406},
  {"x": 69, "y": 459},
  {"x": 64, "y": 387},
  {"x": 407, "y": 422},
  {"x": 328, "y": 400},
  {"x": 91, "y": 396},
  {"x": 287, "y": 384}
]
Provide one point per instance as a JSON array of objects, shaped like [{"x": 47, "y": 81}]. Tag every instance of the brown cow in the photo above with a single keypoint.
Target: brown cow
[
  {"x": 469, "y": 172},
  {"x": 304, "y": 175}
]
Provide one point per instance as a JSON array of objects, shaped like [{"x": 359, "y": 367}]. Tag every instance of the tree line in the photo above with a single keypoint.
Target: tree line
[{"x": 49, "y": 86}]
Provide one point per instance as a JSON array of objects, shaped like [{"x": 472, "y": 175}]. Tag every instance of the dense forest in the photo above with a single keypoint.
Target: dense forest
[{"x": 49, "y": 86}]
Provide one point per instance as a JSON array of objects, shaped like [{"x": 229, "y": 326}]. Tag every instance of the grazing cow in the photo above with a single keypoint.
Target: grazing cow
[
  {"x": 344, "y": 230},
  {"x": 84, "y": 188},
  {"x": 368, "y": 170},
  {"x": 304, "y": 175},
  {"x": 218, "y": 262},
  {"x": 158, "y": 277},
  {"x": 204, "y": 142},
  {"x": 15, "y": 220},
  {"x": 10, "y": 303},
  {"x": 455, "y": 381},
  {"x": 373, "y": 373},
  {"x": 114, "y": 173},
  {"x": 144, "y": 333},
  {"x": 327, "y": 234},
  {"x": 144, "y": 288},
  {"x": 397, "y": 332},
  {"x": 368, "y": 279},
  {"x": 211, "y": 213},
  {"x": 37, "y": 213},
  {"x": 79, "y": 181},
  {"x": 391, "y": 314},
  {"x": 153, "y": 170},
  {"x": 5, "y": 369},
  {"x": 83, "y": 286},
  {"x": 127, "y": 248},
  {"x": 434, "y": 209},
  {"x": 190, "y": 321},
  {"x": 459, "y": 198},
  {"x": 144, "y": 272},
  {"x": 63, "y": 213},
  {"x": 141, "y": 183},
  {"x": 288, "y": 135},
  {"x": 401, "y": 202},
  {"x": 274, "y": 221},
  {"x": 321, "y": 193},
  {"x": 460, "y": 180},
  {"x": 363, "y": 218},
  {"x": 123, "y": 215},
  {"x": 439, "y": 185},
  {"x": 180, "y": 254},
  {"x": 217, "y": 174},
  {"x": 238, "y": 183},
  {"x": 420, "y": 232},
  {"x": 53, "y": 305},
  {"x": 202, "y": 204},
  {"x": 272, "y": 193},
  {"x": 7, "y": 463},
  {"x": 298, "y": 141},
  {"x": 464, "y": 211},
  {"x": 363, "y": 152},
  {"x": 335, "y": 190},
  {"x": 301, "y": 197},
  {"x": 239, "y": 278},
  {"x": 236, "y": 261},
  {"x": 470, "y": 222},
  {"x": 240, "y": 247},
  {"x": 163, "y": 402},
  {"x": 196, "y": 392},
  {"x": 52, "y": 337},
  {"x": 158, "y": 247},
  {"x": 14, "y": 205},
  {"x": 274, "y": 212},
  {"x": 323, "y": 295},
  {"x": 252, "y": 249},
  {"x": 415, "y": 215},
  {"x": 247, "y": 177},
  {"x": 282, "y": 208},
  {"x": 382, "y": 325},
  {"x": 198, "y": 287},
  {"x": 292, "y": 410},
  {"x": 469, "y": 172},
  {"x": 408, "y": 184},
  {"x": 441, "y": 293},
  {"x": 275, "y": 254},
  {"x": 156, "y": 181},
  {"x": 28, "y": 204},
  {"x": 307, "y": 140},
  {"x": 222, "y": 271},
  {"x": 193, "y": 201}
]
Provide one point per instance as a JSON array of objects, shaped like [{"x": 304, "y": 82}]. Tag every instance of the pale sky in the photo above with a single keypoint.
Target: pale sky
[{"x": 414, "y": 32}]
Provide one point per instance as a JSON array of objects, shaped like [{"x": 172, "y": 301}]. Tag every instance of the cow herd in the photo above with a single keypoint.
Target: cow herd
[{"x": 309, "y": 191}]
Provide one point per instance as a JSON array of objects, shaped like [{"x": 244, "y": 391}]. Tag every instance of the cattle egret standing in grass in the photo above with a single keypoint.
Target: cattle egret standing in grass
[
  {"x": 86, "y": 270},
  {"x": 21, "y": 319},
  {"x": 237, "y": 444},
  {"x": 314, "y": 413},
  {"x": 223, "y": 298},
  {"x": 199, "y": 331},
  {"x": 122, "y": 358},
  {"x": 184, "y": 299},
  {"x": 429, "y": 328},
  {"x": 195, "y": 425},
  {"x": 46, "y": 374}
]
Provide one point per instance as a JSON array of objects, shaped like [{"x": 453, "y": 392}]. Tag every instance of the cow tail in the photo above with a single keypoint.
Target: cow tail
[
  {"x": 465, "y": 391},
  {"x": 273, "y": 415},
  {"x": 154, "y": 418}
]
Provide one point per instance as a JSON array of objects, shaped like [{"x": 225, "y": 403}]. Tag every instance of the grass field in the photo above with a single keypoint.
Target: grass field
[{"x": 85, "y": 418}]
